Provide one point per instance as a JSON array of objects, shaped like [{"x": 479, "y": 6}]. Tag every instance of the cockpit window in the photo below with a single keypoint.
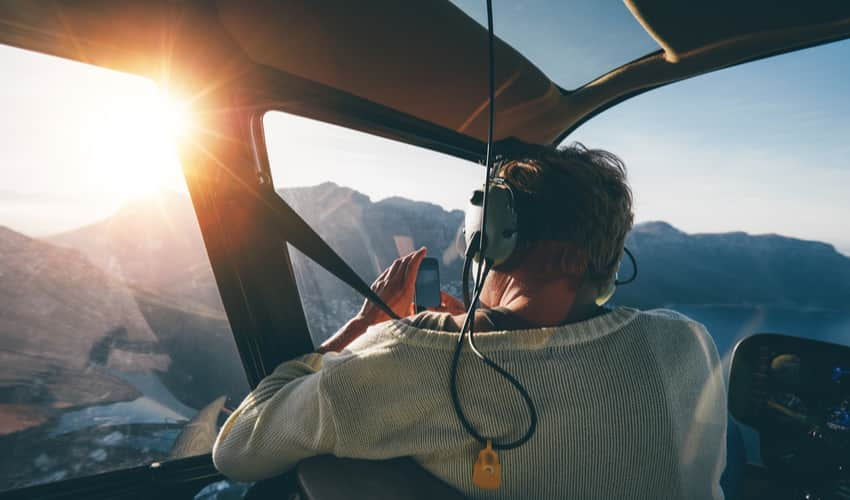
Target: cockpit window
[
  {"x": 741, "y": 186},
  {"x": 372, "y": 200},
  {"x": 106, "y": 291},
  {"x": 571, "y": 42}
]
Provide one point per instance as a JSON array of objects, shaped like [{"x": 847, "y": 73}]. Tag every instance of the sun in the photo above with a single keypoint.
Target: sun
[{"x": 136, "y": 137}]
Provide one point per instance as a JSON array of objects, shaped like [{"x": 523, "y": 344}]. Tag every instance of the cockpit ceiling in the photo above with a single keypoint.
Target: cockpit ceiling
[
  {"x": 426, "y": 60},
  {"x": 686, "y": 27},
  {"x": 429, "y": 61}
]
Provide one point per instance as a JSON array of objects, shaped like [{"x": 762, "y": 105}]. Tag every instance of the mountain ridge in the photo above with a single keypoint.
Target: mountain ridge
[
  {"x": 370, "y": 234},
  {"x": 69, "y": 327},
  {"x": 655, "y": 226},
  {"x": 734, "y": 268}
]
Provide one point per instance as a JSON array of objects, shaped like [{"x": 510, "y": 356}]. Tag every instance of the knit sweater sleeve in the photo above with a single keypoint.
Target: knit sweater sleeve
[
  {"x": 284, "y": 420},
  {"x": 697, "y": 397}
]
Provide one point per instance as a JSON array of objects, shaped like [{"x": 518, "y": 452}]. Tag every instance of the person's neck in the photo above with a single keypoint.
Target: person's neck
[{"x": 552, "y": 303}]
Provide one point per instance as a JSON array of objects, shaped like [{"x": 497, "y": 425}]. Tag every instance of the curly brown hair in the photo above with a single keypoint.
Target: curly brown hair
[{"x": 576, "y": 195}]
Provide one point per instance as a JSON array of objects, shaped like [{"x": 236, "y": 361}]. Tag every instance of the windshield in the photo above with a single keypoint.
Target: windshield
[
  {"x": 571, "y": 42},
  {"x": 372, "y": 199},
  {"x": 740, "y": 178},
  {"x": 106, "y": 291}
]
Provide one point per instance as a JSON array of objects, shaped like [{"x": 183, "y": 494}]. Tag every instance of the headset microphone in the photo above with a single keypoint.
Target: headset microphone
[{"x": 612, "y": 284}]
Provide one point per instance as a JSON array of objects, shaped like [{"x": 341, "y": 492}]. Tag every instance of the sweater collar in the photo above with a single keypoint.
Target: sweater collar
[{"x": 537, "y": 338}]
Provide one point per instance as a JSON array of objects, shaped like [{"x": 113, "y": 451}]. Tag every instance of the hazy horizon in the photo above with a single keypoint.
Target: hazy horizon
[
  {"x": 101, "y": 139},
  {"x": 152, "y": 197}
]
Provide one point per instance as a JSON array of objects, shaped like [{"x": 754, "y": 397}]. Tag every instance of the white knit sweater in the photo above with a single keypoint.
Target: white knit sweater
[{"x": 631, "y": 405}]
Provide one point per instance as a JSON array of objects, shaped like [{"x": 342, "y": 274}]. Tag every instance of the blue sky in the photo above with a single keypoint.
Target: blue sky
[
  {"x": 591, "y": 36},
  {"x": 761, "y": 148}
]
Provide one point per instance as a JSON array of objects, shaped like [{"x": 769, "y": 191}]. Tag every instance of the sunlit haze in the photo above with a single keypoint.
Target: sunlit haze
[
  {"x": 747, "y": 149},
  {"x": 305, "y": 152},
  {"x": 78, "y": 141}
]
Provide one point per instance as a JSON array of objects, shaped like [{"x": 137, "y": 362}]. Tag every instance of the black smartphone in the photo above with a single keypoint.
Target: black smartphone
[{"x": 427, "y": 292}]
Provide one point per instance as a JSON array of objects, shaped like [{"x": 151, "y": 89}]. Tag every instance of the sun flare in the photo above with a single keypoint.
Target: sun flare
[{"x": 134, "y": 140}]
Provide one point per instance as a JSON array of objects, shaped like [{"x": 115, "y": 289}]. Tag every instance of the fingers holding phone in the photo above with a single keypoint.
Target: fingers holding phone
[{"x": 395, "y": 285}]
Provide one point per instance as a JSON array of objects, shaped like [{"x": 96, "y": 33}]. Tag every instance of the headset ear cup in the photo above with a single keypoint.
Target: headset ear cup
[
  {"x": 502, "y": 229},
  {"x": 502, "y": 226}
]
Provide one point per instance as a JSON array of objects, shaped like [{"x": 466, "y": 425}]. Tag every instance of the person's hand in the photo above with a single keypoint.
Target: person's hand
[{"x": 396, "y": 287}]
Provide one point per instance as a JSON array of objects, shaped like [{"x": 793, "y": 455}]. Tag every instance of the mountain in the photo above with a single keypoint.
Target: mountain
[
  {"x": 95, "y": 371},
  {"x": 734, "y": 268},
  {"x": 153, "y": 244},
  {"x": 135, "y": 292},
  {"x": 126, "y": 310},
  {"x": 675, "y": 267},
  {"x": 67, "y": 327},
  {"x": 56, "y": 309},
  {"x": 370, "y": 235}
]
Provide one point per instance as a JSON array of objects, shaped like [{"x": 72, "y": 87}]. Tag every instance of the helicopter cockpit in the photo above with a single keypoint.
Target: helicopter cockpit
[{"x": 197, "y": 191}]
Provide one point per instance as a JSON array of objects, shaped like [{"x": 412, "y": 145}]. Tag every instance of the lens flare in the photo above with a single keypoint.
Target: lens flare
[{"x": 134, "y": 143}]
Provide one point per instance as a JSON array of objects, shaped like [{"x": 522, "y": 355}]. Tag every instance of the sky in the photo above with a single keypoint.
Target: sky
[
  {"x": 763, "y": 147},
  {"x": 592, "y": 36},
  {"x": 78, "y": 141},
  {"x": 760, "y": 148}
]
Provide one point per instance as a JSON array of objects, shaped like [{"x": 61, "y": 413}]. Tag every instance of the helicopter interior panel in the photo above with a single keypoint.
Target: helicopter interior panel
[{"x": 795, "y": 393}]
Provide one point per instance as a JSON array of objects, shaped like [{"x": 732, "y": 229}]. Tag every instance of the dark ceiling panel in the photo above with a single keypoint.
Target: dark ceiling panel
[
  {"x": 681, "y": 27},
  {"x": 426, "y": 58}
]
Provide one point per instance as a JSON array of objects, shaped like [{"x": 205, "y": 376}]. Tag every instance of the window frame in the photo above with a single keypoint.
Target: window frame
[
  {"x": 317, "y": 102},
  {"x": 257, "y": 288},
  {"x": 179, "y": 476}
]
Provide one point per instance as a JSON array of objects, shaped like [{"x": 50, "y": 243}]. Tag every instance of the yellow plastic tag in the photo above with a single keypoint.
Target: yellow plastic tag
[{"x": 487, "y": 472}]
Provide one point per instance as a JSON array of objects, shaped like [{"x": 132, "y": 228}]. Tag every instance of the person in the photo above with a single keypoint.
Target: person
[{"x": 630, "y": 403}]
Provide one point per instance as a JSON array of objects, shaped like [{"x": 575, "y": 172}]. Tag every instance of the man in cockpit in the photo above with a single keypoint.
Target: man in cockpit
[{"x": 628, "y": 403}]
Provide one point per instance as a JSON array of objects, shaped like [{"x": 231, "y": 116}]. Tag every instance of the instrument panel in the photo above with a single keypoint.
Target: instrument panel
[{"x": 796, "y": 394}]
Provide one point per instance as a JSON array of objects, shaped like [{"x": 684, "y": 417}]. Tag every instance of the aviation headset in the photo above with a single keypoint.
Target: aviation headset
[
  {"x": 503, "y": 233},
  {"x": 494, "y": 215},
  {"x": 491, "y": 233}
]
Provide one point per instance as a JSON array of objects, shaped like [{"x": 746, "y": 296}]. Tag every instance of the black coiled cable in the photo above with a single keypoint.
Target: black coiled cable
[{"x": 471, "y": 303}]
